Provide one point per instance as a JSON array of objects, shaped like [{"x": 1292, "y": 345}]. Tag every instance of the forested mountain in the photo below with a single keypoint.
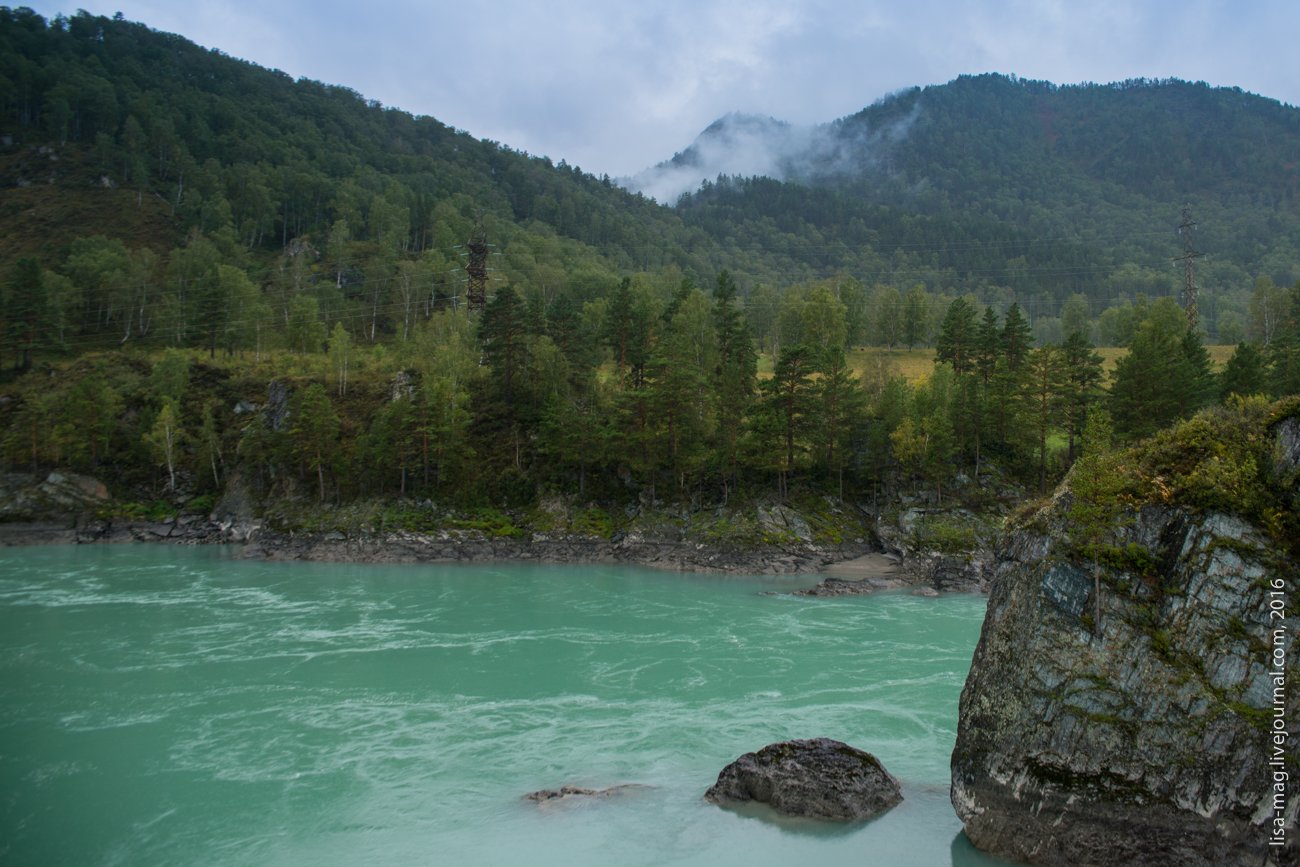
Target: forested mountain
[
  {"x": 213, "y": 272},
  {"x": 992, "y": 181},
  {"x": 989, "y": 185},
  {"x": 222, "y": 141}
]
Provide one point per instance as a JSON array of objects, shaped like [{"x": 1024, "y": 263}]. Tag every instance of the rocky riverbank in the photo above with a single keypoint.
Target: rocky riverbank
[
  {"x": 932, "y": 549},
  {"x": 412, "y": 547},
  {"x": 403, "y": 546}
]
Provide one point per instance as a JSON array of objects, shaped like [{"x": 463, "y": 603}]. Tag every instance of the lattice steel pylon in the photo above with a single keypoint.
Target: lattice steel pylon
[
  {"x": 477, "y": 273},
  {"x": 1188, "y": 259}
]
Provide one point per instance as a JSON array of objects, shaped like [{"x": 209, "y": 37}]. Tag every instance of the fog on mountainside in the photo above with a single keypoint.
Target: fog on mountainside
[{"x": 745, "y": 146}]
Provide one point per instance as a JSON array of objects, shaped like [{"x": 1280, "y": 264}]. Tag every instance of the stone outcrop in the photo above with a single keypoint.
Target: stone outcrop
[
  {"x": 435, "y": 547},
  {"x": 469, "y": 547},
  {"x": 1121, "y": 710},
  {"x": 949, "y": 573},
  {"x": 59, "y": 496},
  {"x": 832, "y": 587},
  {"x": 947, "y": 550},
  {"x": 818, "y": 778},
  {"x": 564, "y": 793}
]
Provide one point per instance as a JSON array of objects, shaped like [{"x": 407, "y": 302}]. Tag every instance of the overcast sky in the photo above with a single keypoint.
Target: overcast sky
[{"x": 615, "y": 86}]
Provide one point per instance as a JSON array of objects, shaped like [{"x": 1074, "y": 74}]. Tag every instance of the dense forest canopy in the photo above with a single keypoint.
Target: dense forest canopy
[
  {"x": 987, "y": 185},
  {"x": 992, "y": 182},
  {"x": 180, "y": 228}
]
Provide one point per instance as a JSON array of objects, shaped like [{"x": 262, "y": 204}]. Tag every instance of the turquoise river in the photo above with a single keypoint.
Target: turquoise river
[{"x": 180, "y": 706}]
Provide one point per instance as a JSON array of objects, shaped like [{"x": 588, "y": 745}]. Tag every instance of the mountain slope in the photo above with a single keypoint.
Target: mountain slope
[
  {"x": 222, "y": 141},
  {"x": 990, "y": 185},
  {"x": 1105, "y": 168}
]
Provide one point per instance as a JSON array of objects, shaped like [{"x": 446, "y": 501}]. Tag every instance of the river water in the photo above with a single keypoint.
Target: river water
[{"x": 168, "y": 705}]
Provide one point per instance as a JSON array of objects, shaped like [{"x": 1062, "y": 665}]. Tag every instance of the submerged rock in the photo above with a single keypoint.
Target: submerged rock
[
  {"x": 542, "y": 796},
  {"x": 849, "y": 587},
  {"x": 820, "y": 778},
  {"x": 1123, "y": 709}
]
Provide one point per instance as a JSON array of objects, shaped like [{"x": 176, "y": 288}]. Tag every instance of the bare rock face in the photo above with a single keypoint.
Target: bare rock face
[
  {"x": 1123, "y": 712},
  {"x": 819, "y": 778}
]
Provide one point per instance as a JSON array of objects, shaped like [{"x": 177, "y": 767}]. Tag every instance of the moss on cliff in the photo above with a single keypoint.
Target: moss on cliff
[{"x": 1221, "y": 460}]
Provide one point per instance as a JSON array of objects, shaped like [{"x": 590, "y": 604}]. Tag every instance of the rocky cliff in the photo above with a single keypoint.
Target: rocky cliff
[{"x": 1138, "y": 655}]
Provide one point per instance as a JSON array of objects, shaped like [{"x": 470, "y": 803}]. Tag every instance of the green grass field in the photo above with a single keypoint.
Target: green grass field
[
  {"x": 913, "y": 364},
  {"x": 867, "y": 362}
]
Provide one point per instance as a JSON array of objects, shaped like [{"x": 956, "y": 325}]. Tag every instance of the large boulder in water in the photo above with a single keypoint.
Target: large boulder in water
[{"x": 820, "y": 778}]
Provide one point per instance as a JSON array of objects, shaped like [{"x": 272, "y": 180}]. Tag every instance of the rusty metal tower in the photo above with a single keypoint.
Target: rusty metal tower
[
  {"x": 1188, "y": 259},
  {"x": 477, "y": 273}
]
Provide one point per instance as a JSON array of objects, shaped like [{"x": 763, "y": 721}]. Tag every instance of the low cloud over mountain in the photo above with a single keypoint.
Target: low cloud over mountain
[{"x": 744, "y": 145}]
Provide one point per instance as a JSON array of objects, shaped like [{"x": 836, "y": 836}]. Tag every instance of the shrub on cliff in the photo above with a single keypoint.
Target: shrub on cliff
[{"x": 1220, "y": 460}]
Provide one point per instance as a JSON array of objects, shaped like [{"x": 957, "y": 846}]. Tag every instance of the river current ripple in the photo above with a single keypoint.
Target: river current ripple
[{"x": 165, "y": 705}]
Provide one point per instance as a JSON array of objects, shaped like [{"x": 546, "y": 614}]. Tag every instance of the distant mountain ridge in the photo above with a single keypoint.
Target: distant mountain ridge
[
  {"x": 1015, "y": 125},
  {"x": 1108, "y": 166},
  {"x": 989, "y": 184}
]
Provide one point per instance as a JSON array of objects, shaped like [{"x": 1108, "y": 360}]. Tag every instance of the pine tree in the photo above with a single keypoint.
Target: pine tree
[
  {"x": 1045, "y": 381},
  {"x": 27, "y": 315},
  {"x": 683, "y": 361},
  {"x": 1003, "y": 387},
  {"x": 340, "y": 355},
  {"x": 734, "y": 377},
  {"x": 971, "y": 390},
  {"x": 393, "y": 441},
  {"x": 957, "y": 337},
  {"x": 502, "y": 334},
  {"x": 1095, "y": 482},
  {"x": 1081, "y": 387},
  {"x": 968, "y": 417},
  {"x": 504, "y": 411},
  {"x": 1017, "y": 338},
  {"x": 885, "y": 413},
  {"x": 1156, "y": 383},
  {"x": 840, "y": 409},
  {"x": 636, "y": 431},
  {"x": 314, "y": 430},
  {"x": 628, "y": 332},
  {"x": 1284, "y": 350},
  {"x": 988, "y": 345},
  {"x": 789, "y": 403},
  {"x": 1200, "y": 386},
  {"x": 1244, "y": 374}
]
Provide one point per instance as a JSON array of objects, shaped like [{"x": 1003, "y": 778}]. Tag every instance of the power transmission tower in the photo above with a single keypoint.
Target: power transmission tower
[
  {"x": 1188, "y": 259},
  {"x": 477, "y": 273}
]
